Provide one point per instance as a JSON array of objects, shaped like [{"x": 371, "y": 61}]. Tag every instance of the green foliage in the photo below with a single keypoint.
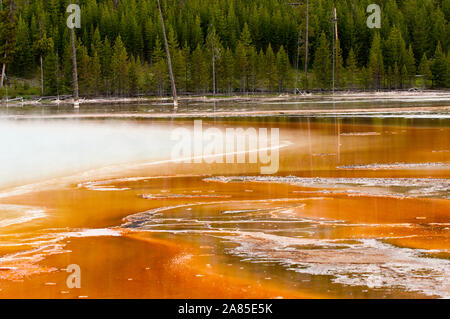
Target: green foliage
[
  {"x": 322, "y": 63},
  {"x": 8, "y": 28},
  {"x": 253, "y": 44},
  {"x": 352, "y": 68},
  {"x": 425, "y": 70},
  {"x": 119, "y": 66},
  {"x": 439, "y": 67},
  {"x": 376, "y": 61}
]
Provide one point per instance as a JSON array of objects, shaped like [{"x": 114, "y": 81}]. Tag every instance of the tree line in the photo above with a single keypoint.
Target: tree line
[{"x": 252, "y": 45}]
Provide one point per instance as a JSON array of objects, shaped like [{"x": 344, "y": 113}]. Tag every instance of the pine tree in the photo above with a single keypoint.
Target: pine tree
[
  {"x": 96, "y": 73},
  {"x": 283, "y": 69},
  {"x": 420, "y": 32},
  {"x": 105, "y": 62},
  {"x": 196, "y": 37},
  {"x": 227, "y": 71},
  {"x": 176, "y": 57},
  {"x": 395, "y": 48},
  {"x": 376, "y": 62},
  {"x": 439, "y": 67},
  {"x": 133, "y": 79},
  {"x": 186, "y": 58},
  {"x": 352, "y": 68},
  {"x": 396, "y": 76},
  {"x": 321, "y": 64},
  {"x": 160, "y": 72},
  {"x": 96, "y": 42},
  {"x": 119, "y": 66},
  {"x": 241, "y": 66},
  {"x": 84, "y": 70},
  {"x": 7, "y": 37},
  {"x": 425, "y": 70},
  {"x": 270, "y": 69},
  {"x": 365, "y": 77},
  {"x": 244, "y": 29},
  {"x": 200, "y": 74},
  {"x": 231, "y": 34},
  {"x": 390, "y": 77},
  {"x": 261, "y": 71},
  {"x": 23, "y": 55},
  {"x": 410, "y": 65},
  {"x": 253, "y": 68},
  {"x": 214, "y": 52},
  {"x": 404, "y": 77},
  {"x": 50, "y": 71},
  {"x": 242, "y": 58},
  {"x": 43, "y": 47}
]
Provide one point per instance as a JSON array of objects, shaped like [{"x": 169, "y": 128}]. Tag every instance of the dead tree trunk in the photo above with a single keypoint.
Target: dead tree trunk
[
  {"x": 42, "y": 75},
  {"x": 74, "y": 70},
  {"x": 169, "y": 61},
  {"x": 213, "y": 67},
  {"x": 307, "y": 44},
  {"x": 3, "y": 72}
]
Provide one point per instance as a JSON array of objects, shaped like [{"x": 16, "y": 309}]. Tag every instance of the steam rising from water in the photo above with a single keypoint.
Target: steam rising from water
[{"x": 31, "y": 151}]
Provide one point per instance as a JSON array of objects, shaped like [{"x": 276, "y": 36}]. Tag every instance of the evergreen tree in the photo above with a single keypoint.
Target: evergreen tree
[
  {"x": 227, "y": 72},
  {"x": 410, "y": 65},
  {"x": 200, "y": 74},
  {"x": 133, "y": 78},
  {"x": 23, "y": 55},
  {"x": 394, "y": 47},
  {"x": 253, "y": 68},
  {"x": 376, "y": 62},
  {"x": 105, "y": 62},
  {"x": 196, "y": 34},
  {"x": 404, "y": 77},
  {"x": 270, "y": 69},
  {"x": 186, "y": 63},
  {"x": 7, "y": 37},
  {"x": 43, "y": 47},
  {"x": 119, "y": 66},
  {"x": 50, "y": 74},
  {"x": 84, "y": 71},
  {"x": 283, "y": 69},
  {"x": 214, "y": 53},
  {"x": 321, "y": 64},
  {"x": 160, "y": 72},
  {"x": 366, "y": 77},
  {"x": 243, "y": 32},
  {"x": 425, "y": 70},
  {"x": 243, "y": 58},
  {"x": 439, "y": 67},
  {"x": 396, "y": 76},
  {"x": 352, "y": 68},
  {"x": 176, "y": 57},
  {"x": 96, "y": 73}
]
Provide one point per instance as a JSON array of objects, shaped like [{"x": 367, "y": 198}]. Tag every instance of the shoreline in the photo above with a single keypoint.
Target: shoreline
[
  {"x": 237, "y": 113},
  {"x": 238, "y": 98}
]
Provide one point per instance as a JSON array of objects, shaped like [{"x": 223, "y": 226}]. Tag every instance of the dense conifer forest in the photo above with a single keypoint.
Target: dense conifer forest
[{"x": 253, "y": 45}]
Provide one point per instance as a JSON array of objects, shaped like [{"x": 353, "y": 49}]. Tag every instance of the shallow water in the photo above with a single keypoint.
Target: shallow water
[{"x": 358, "y": 208}]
